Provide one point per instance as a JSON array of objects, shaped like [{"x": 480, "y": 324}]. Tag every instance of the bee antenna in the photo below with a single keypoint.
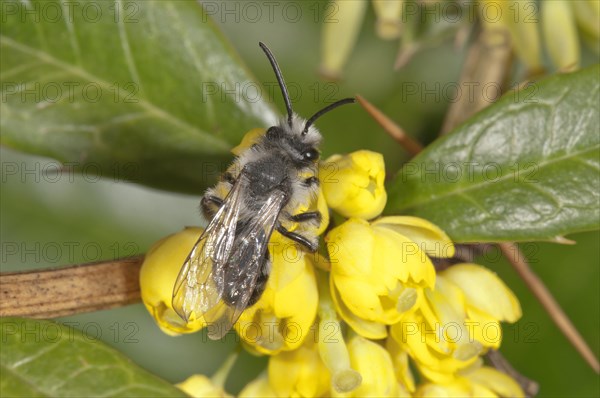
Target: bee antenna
[
  {"x": 323, "y": 111},
  {"x": 284, "y": 92}
]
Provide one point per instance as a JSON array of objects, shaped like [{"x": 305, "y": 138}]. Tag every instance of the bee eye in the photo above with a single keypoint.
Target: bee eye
[{"x": 311, "y": 154}]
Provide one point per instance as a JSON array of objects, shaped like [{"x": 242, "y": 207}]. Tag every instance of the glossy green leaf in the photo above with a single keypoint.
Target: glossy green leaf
[
  {"x": 47, "y": 359},
  {"x": 147, "y": 91},
  {"x": 525, "y": 168}
]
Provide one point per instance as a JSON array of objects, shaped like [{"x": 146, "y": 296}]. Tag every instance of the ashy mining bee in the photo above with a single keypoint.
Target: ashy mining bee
[{"x": 228, "y": 267}]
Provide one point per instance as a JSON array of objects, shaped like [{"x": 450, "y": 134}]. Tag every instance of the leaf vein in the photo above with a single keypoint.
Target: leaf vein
[
  {"x": 126, "y": 48},
  {"x": 216, "y": 142}
]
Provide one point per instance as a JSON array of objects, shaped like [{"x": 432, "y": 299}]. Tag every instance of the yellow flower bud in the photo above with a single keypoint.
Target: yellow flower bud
[
  {"x": 484, "y": 291},
  {"x": 515, "y": 16},
  {"x": 157, "y": 278},
  {"x": 340, "y": 31},
  {"x": 401, "y": 366},
  {"x": 375, "y": 366},
  {"x": 560, "y": 33},
  {"x": 332, "y": 347},
  {"x": 587, "y": 14},
  {"x": 200, "y": 386},
  {"x": 279, "y": 321},
  {"x": 353, "y": 184},
  {"x": 389, "y": 18}
]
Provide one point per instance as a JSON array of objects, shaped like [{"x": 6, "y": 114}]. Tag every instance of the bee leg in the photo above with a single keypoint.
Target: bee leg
[
  {"x": 304, "y": 241},
  {"x": 261, "y": 280},
  {"x": 208, "y": 204},
  {"x": 308, "y": 216}
]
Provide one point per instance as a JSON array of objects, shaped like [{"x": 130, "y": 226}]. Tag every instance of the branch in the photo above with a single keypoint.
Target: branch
[
  {"x": 487, "y": 66},
  {"x": 56, "y": 292},
  {"x": 517, "y": 259},
  {"x": 530, "y": 387},
  {"x": 396, "y": 132}
]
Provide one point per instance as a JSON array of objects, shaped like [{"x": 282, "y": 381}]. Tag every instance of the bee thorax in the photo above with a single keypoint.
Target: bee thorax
[{"x": 267, "y": 174}]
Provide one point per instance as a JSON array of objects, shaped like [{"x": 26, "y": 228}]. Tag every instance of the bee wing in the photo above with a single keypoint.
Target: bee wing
[
  {"x": 199, "y": 286},
  {"x": 243, "y": 266}
]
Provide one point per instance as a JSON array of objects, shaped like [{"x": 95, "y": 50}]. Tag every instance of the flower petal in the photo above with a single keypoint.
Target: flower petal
[
  {"x": 398, "y": 253},
  {"x": 353, "y": 184},
  {"x": 159, "y": 271},
  {"x": 258, "y": 387},
  {"x": 368, "y": 329},
  {"x": 375, "y": 366},
  {"x": 428, "y": 236},
  {"x": 200, "y": 386},
  {"x": 350, "y": 247},
  {"x": 500, "y": 383},
  {"x": 359, "y": 297},
  {"x": 339, "y": 36},
  {"x": 485, "y": 291}
]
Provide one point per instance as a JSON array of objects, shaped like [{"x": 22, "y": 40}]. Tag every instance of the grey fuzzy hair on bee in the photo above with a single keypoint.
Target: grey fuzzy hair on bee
[{"x": 228, "y": 267}]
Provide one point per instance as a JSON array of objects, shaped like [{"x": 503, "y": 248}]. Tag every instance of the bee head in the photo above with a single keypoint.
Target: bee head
[
  {"x": 302, "y": 145},
  {"x": 301, "y": 135}
]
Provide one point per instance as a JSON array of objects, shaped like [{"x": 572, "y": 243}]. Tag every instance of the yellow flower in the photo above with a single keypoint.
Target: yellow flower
[
  {"x": 258, "y": 387},
  {"x": 389, "y": 18},
  {"x": 484, "y": 291},
  {"x": 332, "y": 347},
  {"x": 375, "y": 366},
  {"x": 157, "y": 278},
  {"x": 301, "y": 372},
  {"x": 401, "y": 365},
  {"x": 560, "y": 33},
  {"x": 456, "y": 321},
  {"x": 587, "y": 13},
  {"x": 353, "y": 184},
  {"x": 286, "y": 310},
  {"x": 378, "y": 269},
  {"x": 514, "y": 17},
  {"x": 342, "y": 27},
  {"x": 477, "y": 383},
  {"x": 200, "y": 386},
  {"x": 339, "y": 36}
]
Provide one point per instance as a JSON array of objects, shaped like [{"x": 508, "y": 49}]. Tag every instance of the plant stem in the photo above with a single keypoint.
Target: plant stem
[
  {"x": 517, "y": 259},
  {"x": 530, "y": 387},
  {"x": 396, "y": 132},
  {"x": 56, "y": 292}
]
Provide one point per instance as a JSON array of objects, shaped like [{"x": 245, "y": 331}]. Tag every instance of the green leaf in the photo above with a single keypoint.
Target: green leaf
[
  {"x": 525, "y": 168},
  {"x": 47, "y": 359},
  {"x": 148, "y": 91}
]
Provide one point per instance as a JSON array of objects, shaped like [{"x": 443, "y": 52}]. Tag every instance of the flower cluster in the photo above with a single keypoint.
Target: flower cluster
[
  {"x": 558, "y": 27},
  {"x": 356, "y": 319},
  {"x": 530, "y": 26}
]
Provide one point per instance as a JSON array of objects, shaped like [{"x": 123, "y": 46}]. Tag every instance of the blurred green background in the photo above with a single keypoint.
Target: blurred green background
[{"x": 104, "y": 219}]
